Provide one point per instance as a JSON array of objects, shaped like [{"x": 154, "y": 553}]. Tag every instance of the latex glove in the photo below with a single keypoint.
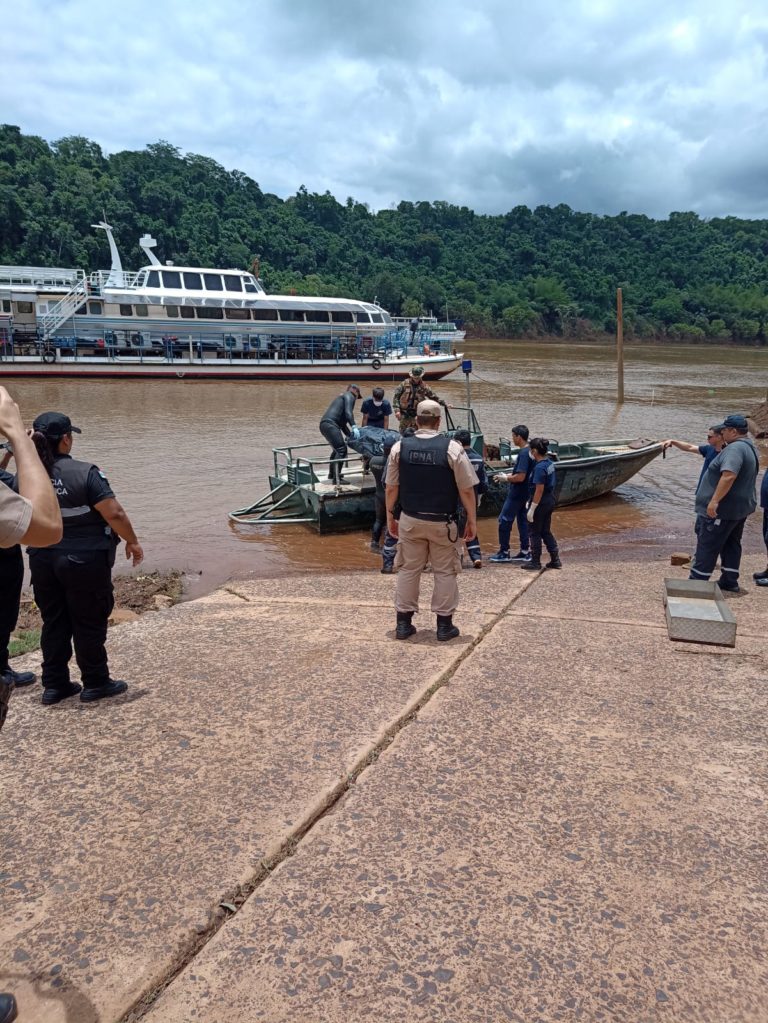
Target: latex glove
[
  {"x": 501, "y": 477},
  {"x": 531, "y": 512}
]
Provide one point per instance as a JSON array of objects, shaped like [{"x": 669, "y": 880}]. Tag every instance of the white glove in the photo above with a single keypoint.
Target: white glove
[
  {"x": 502, "y": 477},
  {"x": 531, "y": 511}
]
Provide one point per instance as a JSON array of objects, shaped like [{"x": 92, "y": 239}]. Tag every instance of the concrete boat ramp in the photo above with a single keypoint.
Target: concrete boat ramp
[{"x": 291, "y": 817}]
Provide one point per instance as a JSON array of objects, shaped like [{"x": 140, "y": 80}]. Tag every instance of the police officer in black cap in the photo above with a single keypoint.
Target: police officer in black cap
[{"x": 72, "y": 580}]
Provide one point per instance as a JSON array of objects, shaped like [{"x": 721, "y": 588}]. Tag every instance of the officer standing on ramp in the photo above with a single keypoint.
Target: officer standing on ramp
[
  {"x": 72, "y": 579},
  {"x": 428, "y": 475}
]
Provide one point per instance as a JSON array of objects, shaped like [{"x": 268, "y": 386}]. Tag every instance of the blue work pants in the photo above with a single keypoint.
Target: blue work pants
[{"x": 513, "y": 511}]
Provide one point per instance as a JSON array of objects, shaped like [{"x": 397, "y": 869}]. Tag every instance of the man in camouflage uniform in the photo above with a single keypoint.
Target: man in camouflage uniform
[{"x": 407, "y": 396}]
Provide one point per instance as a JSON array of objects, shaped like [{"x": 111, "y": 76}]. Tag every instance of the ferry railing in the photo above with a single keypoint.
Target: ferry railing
[
  {"x": 36, "y": 276},
  {"x": 138, "y": 343}
]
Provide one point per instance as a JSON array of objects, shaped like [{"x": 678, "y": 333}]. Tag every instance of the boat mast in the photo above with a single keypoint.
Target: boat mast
[
  {"x": 116, "y": 276},
  {"x": 147, "y": 243}
]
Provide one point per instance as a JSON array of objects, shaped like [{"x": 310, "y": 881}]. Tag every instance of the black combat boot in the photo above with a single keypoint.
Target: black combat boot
[
  {"x": 554, "y": 562},
  {"x": 405, "y": 626},
  {"x": 445, "y": 627},
  {"x": 760, "y": 575}
]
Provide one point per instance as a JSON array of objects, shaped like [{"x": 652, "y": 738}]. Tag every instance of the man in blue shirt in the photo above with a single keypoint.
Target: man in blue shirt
[
  {"x": 708, "y": 451},
  {"x": 376, "y": 410},
  {"x": 724, "y": 500},
  {"x": 515, "y": 502}
]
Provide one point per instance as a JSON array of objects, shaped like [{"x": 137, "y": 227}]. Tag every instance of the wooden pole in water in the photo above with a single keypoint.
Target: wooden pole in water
[{"x": 620, "y": 346}]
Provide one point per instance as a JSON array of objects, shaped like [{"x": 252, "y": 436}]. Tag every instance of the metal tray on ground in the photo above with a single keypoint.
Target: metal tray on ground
[{"x": 697, "y": 612}]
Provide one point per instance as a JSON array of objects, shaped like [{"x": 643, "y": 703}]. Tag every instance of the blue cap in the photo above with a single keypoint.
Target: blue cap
[{"x": 735, "y": 422}]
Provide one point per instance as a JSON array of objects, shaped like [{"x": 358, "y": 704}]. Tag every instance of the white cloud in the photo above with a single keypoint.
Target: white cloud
[{"x": 598, "y": 104}]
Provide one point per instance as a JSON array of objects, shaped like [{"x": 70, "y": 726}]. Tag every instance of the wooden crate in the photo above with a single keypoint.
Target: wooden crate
[{"x": 697, "y": 612}]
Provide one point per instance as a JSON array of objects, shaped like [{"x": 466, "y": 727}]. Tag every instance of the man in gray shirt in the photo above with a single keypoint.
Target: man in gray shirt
[{"x": 725, "y": 498}]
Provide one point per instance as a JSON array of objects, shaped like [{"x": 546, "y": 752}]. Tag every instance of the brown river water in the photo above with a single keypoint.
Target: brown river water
[{"x": 181, "y": 454}]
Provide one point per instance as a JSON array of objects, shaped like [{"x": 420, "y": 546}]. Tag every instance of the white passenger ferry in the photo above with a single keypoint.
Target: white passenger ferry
[{"x": 194, "y": 322}]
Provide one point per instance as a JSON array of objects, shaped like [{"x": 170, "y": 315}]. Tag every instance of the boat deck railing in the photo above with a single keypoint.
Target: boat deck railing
[
  {"x": 201, "y": 346},
  {"x": 39, "y": 277},
  {"x": 310, "y": 470}
]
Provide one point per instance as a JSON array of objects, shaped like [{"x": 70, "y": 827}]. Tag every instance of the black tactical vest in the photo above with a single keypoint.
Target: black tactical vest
[
  {"x": 84, "y": 528},
  {"x": 427, "y": 484}
]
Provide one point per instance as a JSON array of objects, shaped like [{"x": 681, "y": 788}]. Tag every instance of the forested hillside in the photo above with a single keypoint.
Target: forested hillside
[{"x": 527, "y": 272}]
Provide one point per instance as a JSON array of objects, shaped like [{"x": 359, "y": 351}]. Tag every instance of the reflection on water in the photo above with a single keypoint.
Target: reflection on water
[{"x": 181, "y": 454}]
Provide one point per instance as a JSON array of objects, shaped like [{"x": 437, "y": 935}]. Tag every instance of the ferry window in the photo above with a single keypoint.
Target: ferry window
[
  {"x": 6, "y": 306},
  {"x": 24, "y": 307},
  {"x": 292, "y": 315},
  {"x": 80, "y": 311},
  {"x": 363, "y": 318},
  {"x": 187, "y": 312},
  {"x": 238, "y": 314},
  {"x": 193, "y": 282},
  {"x": 376, "y": 318},
  {"x": 342, "y": 317},
  {"x": 212, "y": 282},
  {"x": 171, "y": 279},
  {"x": 319, "y": 317},
  {"x": 210, "y": 314},
  {"x": 171, "y": 310},
  {"x": 264, "y": 314},
  {"x": 250, "y": 285},
  {"x": 126, "y": 310},
  {"x": 232, "y": 282},
  {"x": 153, "y": 280},
  {"x": 94, "y": 308},
  {"x": 141, "y": 310}
]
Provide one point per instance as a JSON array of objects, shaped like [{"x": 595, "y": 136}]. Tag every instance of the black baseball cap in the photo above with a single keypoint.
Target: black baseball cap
[{"x": 54, "y": 425}]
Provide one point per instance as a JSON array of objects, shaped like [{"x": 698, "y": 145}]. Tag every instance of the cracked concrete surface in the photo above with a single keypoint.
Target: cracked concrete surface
[{"x": 572, "y": 828}]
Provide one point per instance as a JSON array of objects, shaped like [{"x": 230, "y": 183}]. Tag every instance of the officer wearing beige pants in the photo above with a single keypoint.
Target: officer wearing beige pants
[{"x": 428, "y": 474}]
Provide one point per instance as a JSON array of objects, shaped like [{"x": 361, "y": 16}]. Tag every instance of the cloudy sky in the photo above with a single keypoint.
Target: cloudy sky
[{"x": 647, "y": 106}]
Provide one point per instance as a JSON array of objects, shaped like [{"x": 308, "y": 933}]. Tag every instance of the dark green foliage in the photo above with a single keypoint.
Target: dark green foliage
[{"x": 528, "y": 272}]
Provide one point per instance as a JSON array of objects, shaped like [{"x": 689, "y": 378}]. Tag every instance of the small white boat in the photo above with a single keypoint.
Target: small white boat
[
  {"x": 435, "y": 333},
  {"x": 194, "y": 322}
]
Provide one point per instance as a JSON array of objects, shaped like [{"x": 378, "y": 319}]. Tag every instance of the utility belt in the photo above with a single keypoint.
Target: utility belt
[{"x": 432, "y": 516}]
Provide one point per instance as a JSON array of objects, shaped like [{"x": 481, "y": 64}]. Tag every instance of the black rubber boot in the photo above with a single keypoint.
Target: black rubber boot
[
  {"x": 405, "y": 626},
  {"x": 554, "y": 562},
  {"x": 445, "y": 628}
]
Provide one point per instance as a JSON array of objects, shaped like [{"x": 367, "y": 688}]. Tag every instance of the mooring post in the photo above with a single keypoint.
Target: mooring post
[
  {"x": 620, "y": 345},
  {"x": 466, "y": 369}
]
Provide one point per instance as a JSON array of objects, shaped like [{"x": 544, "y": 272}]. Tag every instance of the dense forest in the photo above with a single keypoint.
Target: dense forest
[{"x": 548, "y": 271}]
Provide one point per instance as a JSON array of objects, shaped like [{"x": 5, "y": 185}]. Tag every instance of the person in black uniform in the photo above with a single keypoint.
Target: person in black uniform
[
  {"x": 464, "y": 437},
  {"x": 335, "y": 425},
  {"x": 11, "y": 580},
  {"x": 72, "y": 580}
]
